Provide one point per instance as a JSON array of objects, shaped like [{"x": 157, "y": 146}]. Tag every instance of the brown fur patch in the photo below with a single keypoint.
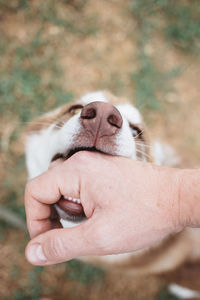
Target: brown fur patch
[{"x": 60, "y": 114}]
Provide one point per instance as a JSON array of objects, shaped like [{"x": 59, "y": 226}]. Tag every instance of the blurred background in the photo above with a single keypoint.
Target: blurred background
[{"x": 52, "y": 52}]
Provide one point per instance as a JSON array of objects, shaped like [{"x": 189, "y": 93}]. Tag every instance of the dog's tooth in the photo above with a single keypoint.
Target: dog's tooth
[{"x": 75, "y": 200}]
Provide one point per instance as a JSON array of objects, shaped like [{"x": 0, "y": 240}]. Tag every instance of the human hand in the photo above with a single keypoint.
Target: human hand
[{"x": 129, "y": 205}]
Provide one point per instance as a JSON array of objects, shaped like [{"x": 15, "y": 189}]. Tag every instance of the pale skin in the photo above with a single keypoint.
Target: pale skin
[{"x": 130, "y": 207}]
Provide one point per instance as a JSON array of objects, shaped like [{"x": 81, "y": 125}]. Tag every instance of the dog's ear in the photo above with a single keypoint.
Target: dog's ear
[{"x": 47, "y": 119}]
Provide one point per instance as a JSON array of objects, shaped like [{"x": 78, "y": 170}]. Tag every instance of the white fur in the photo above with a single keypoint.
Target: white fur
[
  {"x": 125, "y": 144},
  {"x": 42, "y": 146},
  {"x": 183, "y": 293},
  {"x": 163, "y": 154},
  {"x": 39, "y": 150},
  {"x": 131, "y": 113},
  {"x": 92, "y": 97}
]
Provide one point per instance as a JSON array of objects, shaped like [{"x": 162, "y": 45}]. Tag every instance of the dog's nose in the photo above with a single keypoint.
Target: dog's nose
[{"x": 101, "y": 119}]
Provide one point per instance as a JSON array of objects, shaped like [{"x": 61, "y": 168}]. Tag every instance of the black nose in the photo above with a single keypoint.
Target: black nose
[{"x": 101, "y": 119}]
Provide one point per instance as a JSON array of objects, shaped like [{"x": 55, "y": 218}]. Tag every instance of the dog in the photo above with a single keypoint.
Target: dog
[{"x": 102, "y": 122}]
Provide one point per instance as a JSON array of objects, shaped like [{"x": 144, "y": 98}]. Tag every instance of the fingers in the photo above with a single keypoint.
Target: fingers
[
  {"x": 69, "y": 178},
  {"x": 45, "y": 190},
  {"x": 60, "y": 245},
  {"x": 62, "y": 179}
]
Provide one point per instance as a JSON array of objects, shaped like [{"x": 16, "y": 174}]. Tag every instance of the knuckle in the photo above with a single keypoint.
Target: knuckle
[
  {"x": 82, "y": 157},
  {"x": 56, "y": 249}
]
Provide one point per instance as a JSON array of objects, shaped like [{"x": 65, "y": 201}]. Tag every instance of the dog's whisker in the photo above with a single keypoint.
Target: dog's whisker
[
  {"x": 141, "y": 132},
  {"x": 145, "y": 155},
  {"x": 58, "y": 126},
  {"x": 143, "y": 145}
]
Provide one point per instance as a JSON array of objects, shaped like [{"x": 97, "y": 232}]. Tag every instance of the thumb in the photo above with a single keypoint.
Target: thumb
[{"x": 59, "y": 245}]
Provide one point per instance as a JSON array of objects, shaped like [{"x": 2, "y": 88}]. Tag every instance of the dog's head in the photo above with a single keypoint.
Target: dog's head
[{"x": 97, "y": 122}]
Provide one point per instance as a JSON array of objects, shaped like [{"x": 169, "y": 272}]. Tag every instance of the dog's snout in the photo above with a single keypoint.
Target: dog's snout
[{"x": 101, "y": 119}]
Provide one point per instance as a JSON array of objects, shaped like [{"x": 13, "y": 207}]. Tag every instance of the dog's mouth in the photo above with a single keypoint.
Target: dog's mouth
[
  {"x": 69, "y": 208},
  {"x": 71, "y": 152}
]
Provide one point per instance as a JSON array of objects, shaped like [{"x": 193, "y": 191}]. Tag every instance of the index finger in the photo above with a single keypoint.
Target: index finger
[{"x": 43, "y": 191}]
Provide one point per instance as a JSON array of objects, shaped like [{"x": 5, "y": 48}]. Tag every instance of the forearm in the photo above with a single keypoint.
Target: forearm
[{"x": 189, "y": 197}]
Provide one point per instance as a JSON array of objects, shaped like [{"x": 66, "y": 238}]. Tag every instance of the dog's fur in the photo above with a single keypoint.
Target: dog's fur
[{"x": 61, "y": 132}]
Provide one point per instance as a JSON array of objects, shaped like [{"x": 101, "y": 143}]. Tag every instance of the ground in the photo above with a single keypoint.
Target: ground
[{"x": 52, "y": 52}]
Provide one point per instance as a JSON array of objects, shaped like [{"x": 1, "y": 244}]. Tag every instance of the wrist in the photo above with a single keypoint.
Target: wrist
[
  {"x": 169, "y": 189},
  {"x": 189, "y": 197}
]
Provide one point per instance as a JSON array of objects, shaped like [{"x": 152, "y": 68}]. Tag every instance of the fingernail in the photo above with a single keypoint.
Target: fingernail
[{"x": 35, "y": 254}]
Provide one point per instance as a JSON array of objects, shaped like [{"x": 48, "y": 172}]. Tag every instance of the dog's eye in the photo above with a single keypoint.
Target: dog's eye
[
  {"x": 74, "y": 109},
  {"x": 136, "y": 131}
]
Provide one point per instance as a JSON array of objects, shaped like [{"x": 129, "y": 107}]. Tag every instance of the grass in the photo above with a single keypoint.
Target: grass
[
  {"x": 84, "y": 273},
  {"x": 151, "y": 84},
  {"x": 165, "y": 295},
  {"x": 22, "y": 86},
  {"x": 179, "y": 23},
  {"x": 33, "y": 290},
  {"x": 29, "y": 74},
  {"x": 49, "y": 12}
]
